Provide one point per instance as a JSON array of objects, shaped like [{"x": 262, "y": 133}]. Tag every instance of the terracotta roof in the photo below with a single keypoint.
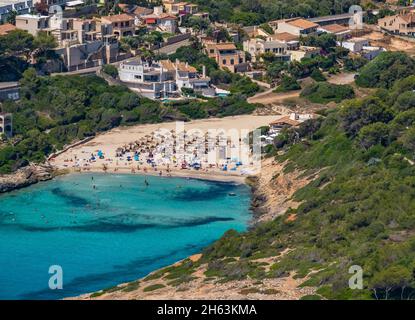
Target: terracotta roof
[
  {"x": 6, "y": 28},
  {"x": 118, "y": 17},
  {"x": 185, "y": 67},
  {"x": 335, "y": 28},
  {"x": 225, "y": 46},
  {"x": 284, "y": 36},
  {"x": 159, "y": 16},
  {"x": 124, "y": 6},
  {"x": 285, "y": 120},
  {"x": 142, "y": 11},
  {"x": 302, "y": 23},
  {"x": 409, "y": 17},
  {"x": 167, "y": 64}
]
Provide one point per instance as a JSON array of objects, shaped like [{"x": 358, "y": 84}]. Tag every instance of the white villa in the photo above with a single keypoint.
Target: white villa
[
  {"x": 257, "y": 47},
  {"x": 162, "y": 79}
]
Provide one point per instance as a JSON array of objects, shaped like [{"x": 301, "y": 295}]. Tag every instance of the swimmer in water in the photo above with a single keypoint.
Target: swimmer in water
[{"x": 146, "y": 183}]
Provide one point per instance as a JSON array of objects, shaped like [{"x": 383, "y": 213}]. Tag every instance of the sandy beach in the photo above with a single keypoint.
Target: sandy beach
[{"x": 102, "y": 153}]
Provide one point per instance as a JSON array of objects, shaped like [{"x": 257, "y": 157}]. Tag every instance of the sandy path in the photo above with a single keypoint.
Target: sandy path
[{"x": 269, "y": 97}]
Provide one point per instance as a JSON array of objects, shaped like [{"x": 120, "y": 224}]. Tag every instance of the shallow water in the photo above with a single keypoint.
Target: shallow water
[{"x": 117, "y": 232}]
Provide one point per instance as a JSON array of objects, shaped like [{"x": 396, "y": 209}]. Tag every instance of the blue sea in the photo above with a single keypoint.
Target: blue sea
[{"x": 116, "y": 232}]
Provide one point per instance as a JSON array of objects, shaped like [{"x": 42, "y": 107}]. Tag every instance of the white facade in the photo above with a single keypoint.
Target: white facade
[
  {"x": 162, "y": 79},
  {"x": 304, "y": 52},
  {"x": 6, "y": 124},
  {"x": 256, "y": 47},
  {"x": 151, "y": 80},
  {"x": 9, "y": 6},
  {"x": 354, "y": 45}
]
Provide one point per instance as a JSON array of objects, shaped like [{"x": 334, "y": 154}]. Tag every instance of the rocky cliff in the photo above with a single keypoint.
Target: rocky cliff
[{"x": 25, "y": 177}]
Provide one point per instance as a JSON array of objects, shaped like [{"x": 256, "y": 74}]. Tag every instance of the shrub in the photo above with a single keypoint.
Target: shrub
[
  {"x": 110, "y": 70},
  {"x": 288, "y": 83},
  {"x": 325, "y": 92},
  {"x": 153, "y": 287}
]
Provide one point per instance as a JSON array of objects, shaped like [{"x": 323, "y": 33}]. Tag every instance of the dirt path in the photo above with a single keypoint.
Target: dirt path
[
  {"x": 270, "y": 97},
  {"x": 391, "y": 43},
  {"x": 342, "y": 78}
]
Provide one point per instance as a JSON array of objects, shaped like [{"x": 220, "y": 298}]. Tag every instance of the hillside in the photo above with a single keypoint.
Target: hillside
[
  {"x": 349, "y": 189},
  {"x": 248, "y": 12}
]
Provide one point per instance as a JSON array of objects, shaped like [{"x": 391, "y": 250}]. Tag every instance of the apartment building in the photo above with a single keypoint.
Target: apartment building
[
  {"x": 163, "y": 79},
  {"x": 81, "y": 42},
  {"x": 187, "y": 76},
  {"x": 403, "y": 24},
  {"x": 122, "y": 25},
  {"x": 227, "y": 56},
  {"x": 257, "y": 47}
]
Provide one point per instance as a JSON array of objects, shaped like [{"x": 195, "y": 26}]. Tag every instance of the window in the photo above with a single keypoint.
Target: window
[
  {"x": 212, "y": 50},
  {"x": 224, "y": 61},
  {"x": 232, "y": 61}
]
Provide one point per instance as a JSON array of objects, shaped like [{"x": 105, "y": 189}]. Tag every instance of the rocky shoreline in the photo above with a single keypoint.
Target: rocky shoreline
[{"x": 26, "y": 176}]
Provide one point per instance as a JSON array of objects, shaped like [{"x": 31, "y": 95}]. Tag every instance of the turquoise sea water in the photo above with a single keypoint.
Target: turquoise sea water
[{"x": 117, "y": 232}]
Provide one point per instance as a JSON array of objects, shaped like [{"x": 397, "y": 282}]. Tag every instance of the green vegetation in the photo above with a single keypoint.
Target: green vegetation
[
  {"x": 110, "y": 70},
  {"x": 323, "y": 92},
  {"x": 358, "y": 208},
  {"x": 131, "y": 286},
  {"x": 383, "y": 71},
  {"x": 256, "y": 12},
  {"x": 317, "y": 75},
  {"x": 288, "y": 84},
  {"x": 311, "y": 297},
  {"x": 153, "y": 287},
  {"x": 18, "y": 47}
]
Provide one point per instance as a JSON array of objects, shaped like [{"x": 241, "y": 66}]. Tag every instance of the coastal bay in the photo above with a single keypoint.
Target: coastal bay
[{"x": 117, "y": 231}]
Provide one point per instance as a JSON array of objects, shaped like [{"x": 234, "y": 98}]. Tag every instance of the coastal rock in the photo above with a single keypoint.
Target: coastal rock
[{"x": 25, "y": 176}]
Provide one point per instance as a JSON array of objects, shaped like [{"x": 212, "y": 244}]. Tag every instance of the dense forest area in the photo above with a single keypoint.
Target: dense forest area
[
  {"x": 251, "y": 12},
  {"x": 358, "y": 208}
]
